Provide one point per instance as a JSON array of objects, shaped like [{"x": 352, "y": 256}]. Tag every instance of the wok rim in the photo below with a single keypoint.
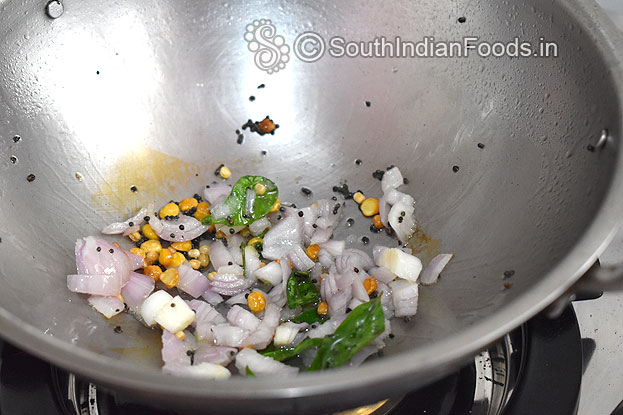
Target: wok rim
[{"x": 377, "y": 378}]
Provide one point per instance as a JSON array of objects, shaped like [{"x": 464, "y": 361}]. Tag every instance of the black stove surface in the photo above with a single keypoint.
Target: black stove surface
[{"x": 547, "y": 361}]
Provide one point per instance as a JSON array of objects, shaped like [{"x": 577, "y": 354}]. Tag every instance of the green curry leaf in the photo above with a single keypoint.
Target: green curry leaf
[
  {"x": 309, "y": 316},
  {"x": 362, "y": 325},
  {"x": 365, "y": 323},
  {"x": 245, "y": 210},
  {"x": 285, "y": 353},
  {"x": 300, "y": 289}
]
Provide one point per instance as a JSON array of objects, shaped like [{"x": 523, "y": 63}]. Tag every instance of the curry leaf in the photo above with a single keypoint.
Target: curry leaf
[
  {"x": 300, "y": 289},
  {"x": 309, "y": 316},
  {"x": 285, "y": 353},
  {"x": 365, "y": 323},
  {"x": 250, "y": 199},
  {"x": 362, "y": 325}
]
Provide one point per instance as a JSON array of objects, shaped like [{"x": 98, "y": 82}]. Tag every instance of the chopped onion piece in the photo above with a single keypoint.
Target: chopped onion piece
[
  {"x": 400, "y": 263},
  {"x": 353, "y": 258},
  {"x": 234, "y": 244},
  {"x": 239, "y": 317},
  {"x": 262, "y": 365},
  {"x": 262, "y": 336},
  {"x": 175, "y": 316},
  {"x": 209, "y": 353},
  {"x": 131, "y": 229},
  {"x": 310, "y": 215},
  {"x": 325, "y": 258},
  {"x": 137, "y": 290},
  {"x": 401, "y": 219},
  {"x": 233, "y": 269},
  {"x": 191, "y": 281},
  {"x": 171, "y": 229},
  {"x": 220, "y": 256},
  {"x": 216, "y": 192},
  {"x": 282, "y": 237},
  {"x": 359, "y": 291},
  {"x": 238, "y": 298},
  {"x": 405, "y": 297},
  {"x": 394, "y": 196},
  {"x": 321, "y": 236},
  {"x": 96, "y": 257},
  {"x": 230, "y": 283},
  {"x": 337, "y": 298},
  {"x": 270, "y": 273},
  {"x": 286, "y": 333},
  {"x": 227, "y": 335},
  {"x": 108, "y": 306},
  {"x": 206, "y": 313},
  {"x": 299, "y": 258},
  {"x": 212, "y": 297},
  {"x": 376, "y": 253},
  {"x": 252, "y": 261},
  {"x": 386, "y": 300},
  {"x": 382, "y": 274},
  {"x": 96, "y": 284},
  {"x": 205, "y": 318},
  {"x": 203, "y": 370},
  {"x": 384, "y": 211},
  {"x": 136, "y": 261},
  {"x": 121, "y": 227},
  {"x": 433, "y": 269},
  {"x": 174, "y": 351},
  {"x": 152, "y": 305},
  {"x": 329, "y": 212},
  {"x": 334, "y": 247},
  {"x": 392, "y": 179},
  {"x": 277, "y": 296},
  {"x": 259, "y": 226}
]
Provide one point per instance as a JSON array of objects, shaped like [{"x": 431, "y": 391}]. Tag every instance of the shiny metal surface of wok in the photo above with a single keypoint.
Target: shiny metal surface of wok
[{"x": 149, "y": 94}]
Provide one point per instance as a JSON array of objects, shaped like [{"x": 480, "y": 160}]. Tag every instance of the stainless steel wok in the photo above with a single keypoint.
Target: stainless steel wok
[{"x": 149, "y": 94}]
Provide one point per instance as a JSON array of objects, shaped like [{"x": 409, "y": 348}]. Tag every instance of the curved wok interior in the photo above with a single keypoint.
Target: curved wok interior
[{"x": 130, "y": 93}]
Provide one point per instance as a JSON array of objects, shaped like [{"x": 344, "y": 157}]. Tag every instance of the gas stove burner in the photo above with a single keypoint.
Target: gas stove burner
[
  {"x": 482, "y": 388},
  {"x": 490, "y": 379},
  {"x": 80, "y": 396},
  {"x": 535, "y": 369},
  {"x": 497, "y": 372}
]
